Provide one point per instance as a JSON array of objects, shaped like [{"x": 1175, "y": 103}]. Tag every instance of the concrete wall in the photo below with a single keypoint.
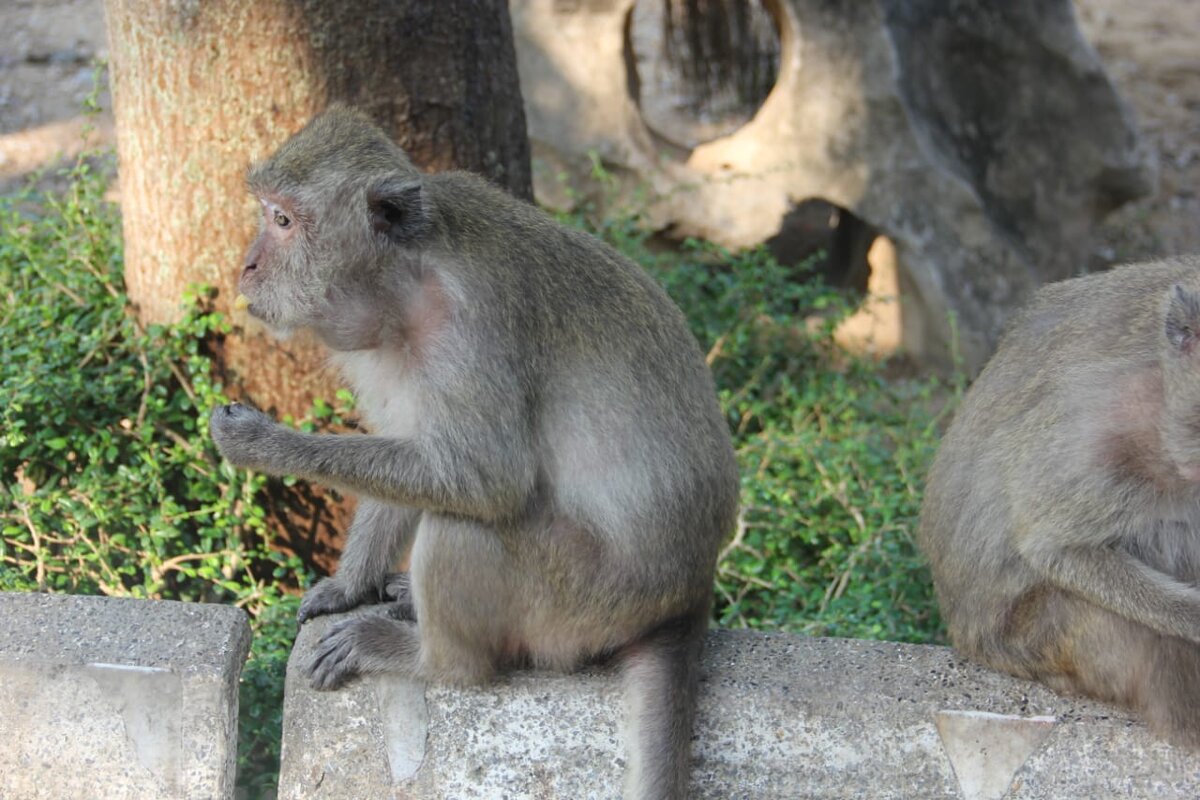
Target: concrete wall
[
  {"x": 781, "y": 716},
  {"x": 108, "y": 698},
  {"x": 104, "y": 698}
]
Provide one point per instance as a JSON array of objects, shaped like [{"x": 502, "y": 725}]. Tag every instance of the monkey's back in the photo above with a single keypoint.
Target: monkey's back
[
  {"x": 1032, "y": 441},
  {"x": 630, "y": 437}
]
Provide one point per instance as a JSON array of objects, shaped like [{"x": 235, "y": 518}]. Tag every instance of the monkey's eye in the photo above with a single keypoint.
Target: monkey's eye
[{"x": 281, "y": 219}]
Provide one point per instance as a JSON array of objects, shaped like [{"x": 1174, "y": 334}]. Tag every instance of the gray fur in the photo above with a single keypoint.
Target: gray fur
[
  {"x": 546, "y": 439},
  {"x": 1062, "y": 514}
]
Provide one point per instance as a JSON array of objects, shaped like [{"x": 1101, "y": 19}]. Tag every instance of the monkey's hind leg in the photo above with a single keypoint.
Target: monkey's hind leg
[
  {"x": 1078, "y": 648},
  {"x": 457, "y": 581},
  {"x": 1155, "y": 675},
  {"x": 377, "y": 538},
  {"x": 1171, "y": 702},
  {"x": 661, "y": 673}
]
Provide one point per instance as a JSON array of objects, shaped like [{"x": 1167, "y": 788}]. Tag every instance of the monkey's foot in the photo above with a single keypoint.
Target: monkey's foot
[
  {"x": 363, "y": 645},
  {"x": 328, "y": 596}
]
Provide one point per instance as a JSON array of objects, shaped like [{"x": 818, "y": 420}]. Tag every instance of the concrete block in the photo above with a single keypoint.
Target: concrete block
[
  {"x": 781, "y": 716},
  {"x": 115, "y": 698}
]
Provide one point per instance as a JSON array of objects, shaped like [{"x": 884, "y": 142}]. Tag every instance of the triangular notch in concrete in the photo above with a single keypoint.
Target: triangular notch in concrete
[{"x": 986, "y": 750}]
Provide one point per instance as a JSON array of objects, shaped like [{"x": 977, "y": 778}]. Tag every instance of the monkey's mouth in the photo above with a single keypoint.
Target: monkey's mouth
[
  {"x": 243, "y": 303},
  {"x": 280, "y": 330}
]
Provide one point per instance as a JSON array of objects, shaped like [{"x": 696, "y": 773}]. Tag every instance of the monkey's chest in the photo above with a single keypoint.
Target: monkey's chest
[{"x": 387, "y": 397}]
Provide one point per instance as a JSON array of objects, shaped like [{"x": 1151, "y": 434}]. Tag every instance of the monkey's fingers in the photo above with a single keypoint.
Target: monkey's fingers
[
  {"x": 328, "y": 596},
  {"x": 397, "y": 591},
  {"x": 397, "y": 587}
]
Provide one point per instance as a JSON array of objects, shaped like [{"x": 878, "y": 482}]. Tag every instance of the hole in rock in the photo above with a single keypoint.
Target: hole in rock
[{"x": 701, "y": 69}]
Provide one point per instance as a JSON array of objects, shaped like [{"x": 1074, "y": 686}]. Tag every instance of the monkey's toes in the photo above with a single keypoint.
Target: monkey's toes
[{"x": 333, "y": 663}]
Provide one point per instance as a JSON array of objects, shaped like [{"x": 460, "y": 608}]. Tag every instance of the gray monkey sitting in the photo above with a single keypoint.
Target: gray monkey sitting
[
  {"x": 1062, "y": 514},
  {"x": 546, "y": 443}
]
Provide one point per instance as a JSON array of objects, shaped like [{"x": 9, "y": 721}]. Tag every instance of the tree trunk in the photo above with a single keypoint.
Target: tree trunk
[{"x": 203, "y": 89}]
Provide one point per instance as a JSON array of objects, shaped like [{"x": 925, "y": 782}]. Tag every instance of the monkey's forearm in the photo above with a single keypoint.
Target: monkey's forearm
[
  {"x": 399, "y": 471},
  {"x": 442, "y": 479},
  {"x": 1120, "y": 583},
  {"x": 377, "y": 537},
  {"x": 448, "y": 477}
]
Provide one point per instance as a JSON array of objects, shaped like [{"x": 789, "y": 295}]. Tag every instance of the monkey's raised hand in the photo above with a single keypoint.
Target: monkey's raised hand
[{"x": 246, "y": 436}]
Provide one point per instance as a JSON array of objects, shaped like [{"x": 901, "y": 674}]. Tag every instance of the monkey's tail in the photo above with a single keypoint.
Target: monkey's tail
[{"x": 661, "y": 673}]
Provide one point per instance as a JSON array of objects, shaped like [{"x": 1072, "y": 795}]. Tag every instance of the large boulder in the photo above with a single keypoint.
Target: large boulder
[{"x": 983, "y": 139}]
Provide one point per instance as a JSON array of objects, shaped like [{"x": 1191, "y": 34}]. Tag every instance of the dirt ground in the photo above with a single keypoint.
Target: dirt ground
[{"x": 1151, "y": 48}]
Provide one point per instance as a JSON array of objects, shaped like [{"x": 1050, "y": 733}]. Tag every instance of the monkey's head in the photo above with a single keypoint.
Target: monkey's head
[
  {"x": 1181, "y": 378},
  {"x": 340, "y": 201}
]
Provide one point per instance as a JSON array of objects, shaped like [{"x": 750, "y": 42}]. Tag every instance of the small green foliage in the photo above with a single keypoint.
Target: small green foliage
[
  {"x": 109, "y": 483},
  {"x": 260, "y": 700}
]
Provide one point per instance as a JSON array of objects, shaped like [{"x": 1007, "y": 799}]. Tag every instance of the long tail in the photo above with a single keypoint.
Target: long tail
[{"x": 661, "y": 672}]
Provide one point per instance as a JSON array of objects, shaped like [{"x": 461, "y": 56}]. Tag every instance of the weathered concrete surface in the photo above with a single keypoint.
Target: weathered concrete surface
[
  {"x": 984, "y": 139},
  {"x": 781, "y": 716},
  {"x": 112, "y": 698}
]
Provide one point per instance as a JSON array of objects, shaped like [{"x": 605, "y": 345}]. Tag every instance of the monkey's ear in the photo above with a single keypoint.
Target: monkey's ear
[
  {"x": 398, "y": 209},
  {"x": 1183, "y": 319}
]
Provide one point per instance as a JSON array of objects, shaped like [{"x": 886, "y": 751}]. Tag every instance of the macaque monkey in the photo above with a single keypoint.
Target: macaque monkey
[
  {"x": 1062, "y": 514},
  {"x": 546, "y": 443}
]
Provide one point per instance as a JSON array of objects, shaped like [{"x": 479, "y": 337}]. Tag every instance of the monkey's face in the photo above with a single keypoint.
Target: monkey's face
[
  {"x": 337, "y": 266},
  {"x": 274, "y": 276},
  {"x": 344, "y": 216}
]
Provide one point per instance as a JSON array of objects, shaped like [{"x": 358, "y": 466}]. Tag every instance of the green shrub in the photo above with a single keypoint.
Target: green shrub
[{"x": 109, "y": 483}]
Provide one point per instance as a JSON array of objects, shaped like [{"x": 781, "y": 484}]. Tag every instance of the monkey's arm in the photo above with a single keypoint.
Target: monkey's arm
[
  {"x": 1117, "y": 581},
  {"x": 460, "y": 476}
]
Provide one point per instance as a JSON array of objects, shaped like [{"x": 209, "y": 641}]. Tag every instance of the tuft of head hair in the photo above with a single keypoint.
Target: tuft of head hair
[{"x": 341, "y": 142}]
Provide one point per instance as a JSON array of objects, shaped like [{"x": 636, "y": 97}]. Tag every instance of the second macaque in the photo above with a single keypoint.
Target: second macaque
[{"x": 1062, "y": 514}]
